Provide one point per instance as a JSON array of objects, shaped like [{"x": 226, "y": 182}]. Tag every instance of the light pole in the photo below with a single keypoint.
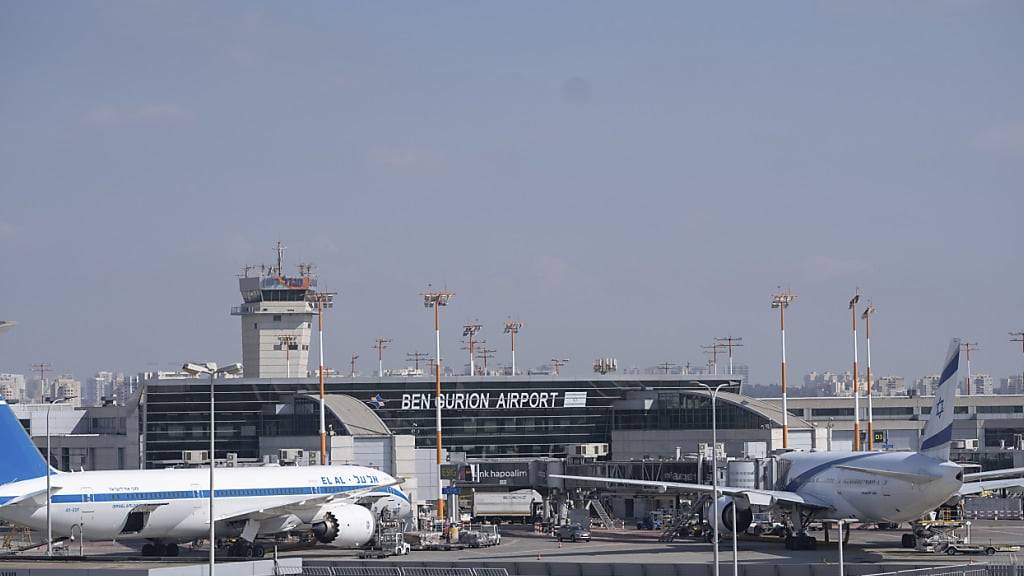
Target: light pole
[
  {"x": 713, "y": 392},
  {"x": 871, "y": 383},
  {"x": 781, "y": 300},
  {"x": 322, "y": 300},
  {"x": 512, "y": 327},
  {"x": 435, "y": 300},
  {"x": 1019, "y": 337},
  {"x": 842, "y": 567},
  {"x": 211, "y": 369},
  {"x": 49, "y": 525},
  {"x": 856, "y": 383},
  {"x": 469, "y": 331}
]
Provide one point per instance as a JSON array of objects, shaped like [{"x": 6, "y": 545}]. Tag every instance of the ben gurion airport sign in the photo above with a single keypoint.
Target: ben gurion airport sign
[{"x": 497, "y": 401}]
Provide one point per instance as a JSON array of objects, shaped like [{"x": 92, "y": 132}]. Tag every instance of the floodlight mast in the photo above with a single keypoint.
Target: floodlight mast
[
  {"x": 512, "y": 327},
  {"x": 381, "y": 344},
  {"x": 469, "y": 331},
  {"x": 781, "y": 300},
  {"x": 322, "y": 300},
  {"x": 969, "y": 347},
  {"x": 557, "y": 364},
  {"x": 871, "y": 383},
  {"x": 856, "y": 383},
  {"x": 436, "y": 299}
]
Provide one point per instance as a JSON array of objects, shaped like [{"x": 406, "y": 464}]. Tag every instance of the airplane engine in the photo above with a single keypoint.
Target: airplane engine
[
  {"x": 397, "y": 508},
  {"x": 723, "y": 514},
  {"x": 347, "y": 525}
]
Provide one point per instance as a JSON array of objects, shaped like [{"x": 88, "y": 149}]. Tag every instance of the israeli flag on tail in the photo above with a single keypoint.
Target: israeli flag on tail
[{"x": 938, "y": 432}]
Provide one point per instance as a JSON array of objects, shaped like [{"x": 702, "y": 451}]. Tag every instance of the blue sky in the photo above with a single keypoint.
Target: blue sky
[{"x": 630, "y": 180}]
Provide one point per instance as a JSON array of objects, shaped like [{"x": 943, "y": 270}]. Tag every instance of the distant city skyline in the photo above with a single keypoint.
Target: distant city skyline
[{"x": 629, "y": 183}]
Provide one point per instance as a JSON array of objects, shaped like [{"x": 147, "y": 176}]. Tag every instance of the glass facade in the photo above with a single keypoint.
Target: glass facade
[
  {"x": 522, "y": 416},
  {"x": 682, "y": 411}
]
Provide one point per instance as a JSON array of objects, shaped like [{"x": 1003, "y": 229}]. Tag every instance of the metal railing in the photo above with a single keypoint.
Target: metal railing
[
  {"x": 948, "y": 570},
  {"x": 399, "y": 571}
]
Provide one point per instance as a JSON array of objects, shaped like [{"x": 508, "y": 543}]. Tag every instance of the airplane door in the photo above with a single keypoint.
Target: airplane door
[{"x": 88, "y": 512}]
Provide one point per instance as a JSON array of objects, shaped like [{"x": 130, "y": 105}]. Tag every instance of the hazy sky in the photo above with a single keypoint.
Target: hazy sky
[{"x": 630, "y": 179}]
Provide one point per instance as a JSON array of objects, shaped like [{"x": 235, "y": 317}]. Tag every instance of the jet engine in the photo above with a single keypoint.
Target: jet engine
[
  {"x": 347, "y": 525},
  {"x": 723, "y": 510}
]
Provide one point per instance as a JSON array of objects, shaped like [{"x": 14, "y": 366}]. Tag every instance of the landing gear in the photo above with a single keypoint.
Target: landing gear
[
  {"x": 800, "y": 540},
  {"x": 159, "y": 549},
  {"x": 244, "y": 549},
  {"x": 846, "y": 533}
]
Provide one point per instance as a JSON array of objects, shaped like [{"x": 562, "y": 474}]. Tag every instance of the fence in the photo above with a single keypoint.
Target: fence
[
  {"x": 314, "y": 567},
  {"x": 399, "y": 571}
]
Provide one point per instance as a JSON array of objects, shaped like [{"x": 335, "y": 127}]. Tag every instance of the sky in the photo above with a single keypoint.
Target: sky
[{"x": 630, "y": 180}]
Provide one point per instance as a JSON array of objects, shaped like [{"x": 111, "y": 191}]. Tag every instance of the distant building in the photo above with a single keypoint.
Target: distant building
[
  {"x": 980, "y": 384},
  {"x": 925, "y": 385},
  {"x": 890, "y": 386},
  {"x": 97, "y": 388},
  {"x": 1012, "y": 384},
  {"x": 831, "y": 384},
  {"x": 66, "y": 386},
  {"x": 12, "y": 386}
]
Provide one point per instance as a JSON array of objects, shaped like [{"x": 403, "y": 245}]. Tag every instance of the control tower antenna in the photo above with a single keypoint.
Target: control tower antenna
[
  {"x": 416, "y": 357},
  {"x": 469, "y": 332},
  {"x": 435, "y": 299},
  {"x": 729, "y": 343},
  {"x": 856, "y": 378},
  {"x": 871, "y": 383},
  {"x": 969, "y": 347},
  {"x": 557, "y": 364},
  {"x": 512, "y": 327},
  {"x": 381, "y": 344},
  {"x": 485, "y": 354},
  {"x": 781, "y": 300},
  {"x": 352, "y": 365},
  {"x": 279, "y": 248}
]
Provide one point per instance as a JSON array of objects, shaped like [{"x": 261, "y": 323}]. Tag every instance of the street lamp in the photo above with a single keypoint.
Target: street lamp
[
  {"x": 211, "y": 369},
  {"x": 713, "y": 392},
  {"x": 49, "y": 525}
]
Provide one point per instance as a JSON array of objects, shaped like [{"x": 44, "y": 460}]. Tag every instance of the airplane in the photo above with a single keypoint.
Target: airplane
[
  {"x": 339, "y": 505},
  {"x": 868, "y": 487}
]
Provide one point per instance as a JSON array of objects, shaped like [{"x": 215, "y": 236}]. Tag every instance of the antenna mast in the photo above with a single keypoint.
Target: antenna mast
[
  {"x": 729, "y": 343},
  {"x": 781, "y": 300},
  {"x": 969, "y": 347}
]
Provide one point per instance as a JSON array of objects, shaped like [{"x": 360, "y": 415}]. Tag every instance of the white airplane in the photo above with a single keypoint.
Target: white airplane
[
  {"x": 866, "y": 487},
  {"x": 336, "y": 504}
]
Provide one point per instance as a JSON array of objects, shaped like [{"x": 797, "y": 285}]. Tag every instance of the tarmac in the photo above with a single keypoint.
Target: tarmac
[{"x": 521, "y": 545}]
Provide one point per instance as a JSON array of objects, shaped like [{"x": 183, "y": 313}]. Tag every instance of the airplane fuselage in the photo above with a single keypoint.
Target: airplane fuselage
[
  {"x": 872, "y": 497},
  {"x": 173, "y": 505}
]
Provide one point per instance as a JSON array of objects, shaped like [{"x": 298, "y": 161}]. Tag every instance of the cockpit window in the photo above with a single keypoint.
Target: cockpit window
[{"x": 960, "y": 476}]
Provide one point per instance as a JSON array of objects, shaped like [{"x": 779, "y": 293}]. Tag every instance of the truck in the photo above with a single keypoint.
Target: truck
[{"x": 516, "y": 506}]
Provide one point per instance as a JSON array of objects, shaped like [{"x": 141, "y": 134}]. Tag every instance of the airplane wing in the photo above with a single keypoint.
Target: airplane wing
[
  {"x": 304, "y": 502},
  {"x": 994, "y": 474},
  {"x": 755, "y": 496},
  {"x": 969, "y": 488}
]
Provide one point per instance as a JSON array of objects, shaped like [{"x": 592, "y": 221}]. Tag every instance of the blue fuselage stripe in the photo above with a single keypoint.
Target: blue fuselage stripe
[
  {"x": 939, "y": 438},
  {"x": 795, "y": 484},
  {"x": 142, "y": 496}
]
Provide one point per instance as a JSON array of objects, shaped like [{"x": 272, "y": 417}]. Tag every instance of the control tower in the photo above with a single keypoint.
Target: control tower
[{"x": 277, "y": 313}]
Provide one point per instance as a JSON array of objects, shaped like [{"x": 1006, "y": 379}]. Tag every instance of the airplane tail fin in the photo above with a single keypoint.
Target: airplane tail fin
[
  {"x": 19, "y": 457},
  {"x": 938, "y": 432}
]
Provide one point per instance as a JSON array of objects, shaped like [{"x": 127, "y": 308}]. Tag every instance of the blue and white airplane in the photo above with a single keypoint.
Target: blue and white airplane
[
  {"x": 866, "y": 487},
  {"x": 336, "y": 504}
]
